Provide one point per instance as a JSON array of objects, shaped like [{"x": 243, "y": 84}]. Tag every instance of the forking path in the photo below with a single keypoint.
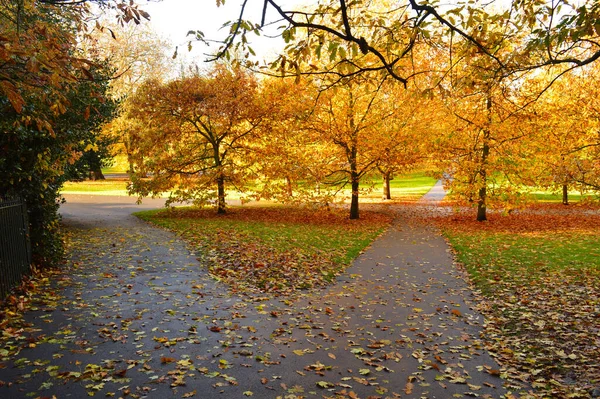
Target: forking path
[{"x": 141, "y": 316}]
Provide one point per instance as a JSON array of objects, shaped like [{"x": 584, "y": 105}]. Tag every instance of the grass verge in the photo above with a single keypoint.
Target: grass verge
[
  {"x": 97, "y": 187},
  {"x": 540, "y": 274},
  {"x": 410, "y": 186},
  {"x": 272, "y": 249},
  {"x": 406, "y": 187}
]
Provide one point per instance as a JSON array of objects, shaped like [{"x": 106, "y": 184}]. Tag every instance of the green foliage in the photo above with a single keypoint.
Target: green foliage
[
  {"x": 49, "y": 116},
  {"x": 27, "y": 169},
  {"x": 90, "y": 107}
]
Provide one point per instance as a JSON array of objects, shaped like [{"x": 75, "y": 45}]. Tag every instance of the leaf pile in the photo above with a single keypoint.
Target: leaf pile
[
  {"x": 276, "y": 249},
  {"x": 540, "y": 272}
]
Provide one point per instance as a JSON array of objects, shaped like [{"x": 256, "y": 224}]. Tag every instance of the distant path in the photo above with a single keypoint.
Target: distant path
[
  {"x": 436, "y": 194},
  {"x": 141, "y": 316},
  {"x": 98, "y": 210}
]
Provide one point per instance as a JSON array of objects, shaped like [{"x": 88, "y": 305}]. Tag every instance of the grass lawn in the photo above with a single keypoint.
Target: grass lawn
[
  {"x": 405, "y": 187},
  {"x": 97, "y": 187},
  {"x": 574, "y": 196},
  {"x": 410, "y": 186},
  {"x": 540, "y": 274},
  {"x": 120, "y": 165},
  {"x": 272, "y": 249}
]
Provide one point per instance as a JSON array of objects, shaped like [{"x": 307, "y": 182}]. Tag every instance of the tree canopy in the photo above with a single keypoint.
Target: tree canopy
[
  {"x": 363, "y": 36},
  {"x": 54, "y": 99},
  {"x": 195, "y": 131}
]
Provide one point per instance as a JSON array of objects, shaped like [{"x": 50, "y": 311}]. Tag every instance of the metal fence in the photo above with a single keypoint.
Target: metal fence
[{"x": 15, "y": 247}]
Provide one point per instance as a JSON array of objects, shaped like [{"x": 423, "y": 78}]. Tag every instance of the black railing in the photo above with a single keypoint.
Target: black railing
[{"x": 15, "y": 247}]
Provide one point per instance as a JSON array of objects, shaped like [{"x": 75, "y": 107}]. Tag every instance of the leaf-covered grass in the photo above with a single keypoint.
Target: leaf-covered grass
[
  {"x": 540, "y": 273},
  {"x": 272, "y": 249},
  {"x": 527, "y": 256}
]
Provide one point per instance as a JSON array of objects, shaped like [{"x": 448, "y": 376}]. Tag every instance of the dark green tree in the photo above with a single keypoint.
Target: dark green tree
[
  {"x": 91, "y": 107},
  {"x": 44, "y": 83}
]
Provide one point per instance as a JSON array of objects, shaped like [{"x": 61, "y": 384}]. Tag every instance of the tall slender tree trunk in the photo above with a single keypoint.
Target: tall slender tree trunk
[
  {"x": 355, "y": 181},
  {"x": 220, "y": 179},
  {"x": 354, "y": 202},
  {"x": 481, "y": 202},
  {"x": 221, "y": 194},
  {"x": 288, "y": 182},
  {"x": 386, "y": 186},
  {"x": 485, "y": 152},
  {"x": 565, "y": 194}
]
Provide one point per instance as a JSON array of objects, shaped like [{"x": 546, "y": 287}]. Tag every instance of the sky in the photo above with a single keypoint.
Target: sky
[{"x": 173, "y": 19}]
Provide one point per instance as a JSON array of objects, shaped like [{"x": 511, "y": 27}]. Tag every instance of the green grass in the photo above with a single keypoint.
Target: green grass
[
  {"x": 407, "y": 186},
  {"x": 547, "y": 196},
  {"x": 120, "y": 165},
  {"x": 540, "y": 275},
  {"x": 279, "y": 234},
  {"x": 116, "y": 187},
  {"x": 97, "y": 187},
  {"x": 297, "y": 248},
  {"x": 525, "y": 258}
]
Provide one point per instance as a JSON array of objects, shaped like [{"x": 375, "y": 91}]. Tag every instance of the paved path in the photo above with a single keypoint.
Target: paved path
[
  {"x": 436, "y": 194},
  {"x": 140, "y": 317}
]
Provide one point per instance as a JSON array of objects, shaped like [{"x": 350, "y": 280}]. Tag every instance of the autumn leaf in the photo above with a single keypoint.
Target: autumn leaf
[{"x": 324, "y": 384}]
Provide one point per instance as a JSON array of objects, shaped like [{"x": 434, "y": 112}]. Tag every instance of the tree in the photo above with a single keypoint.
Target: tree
[
  {"x": 136, "y": 53},
  {"x": 195, "y": 133},
  {"x": 483, "y": 151},
  {"x": 42, "y": 76},
  {"x": 348, "y": 117},
  {"x": 291, "y": 162},
  {"x": 404, "y": 137},
  {"x": 567, "y": 136}
]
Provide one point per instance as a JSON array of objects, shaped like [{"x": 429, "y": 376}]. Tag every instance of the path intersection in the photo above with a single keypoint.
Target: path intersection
[{"x": 136, "y": 315}]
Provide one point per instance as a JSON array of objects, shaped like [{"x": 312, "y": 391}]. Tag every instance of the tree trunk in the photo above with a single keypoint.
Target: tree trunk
[
  {"x": 354, "y": 202},
  {"x": 485, "y": 152},
  {"x": 97, "y": 174},
  {"x": 565, "y": 194},
  {"x": 386, "y": 186},
  {"x": 221, "y": 195},
  {"x": 290, "y": 191},
  {"x": 481, "y": 207}
]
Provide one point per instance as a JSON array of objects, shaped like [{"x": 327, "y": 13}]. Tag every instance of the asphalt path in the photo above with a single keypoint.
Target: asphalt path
[{"x": 137, "y": 315}]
